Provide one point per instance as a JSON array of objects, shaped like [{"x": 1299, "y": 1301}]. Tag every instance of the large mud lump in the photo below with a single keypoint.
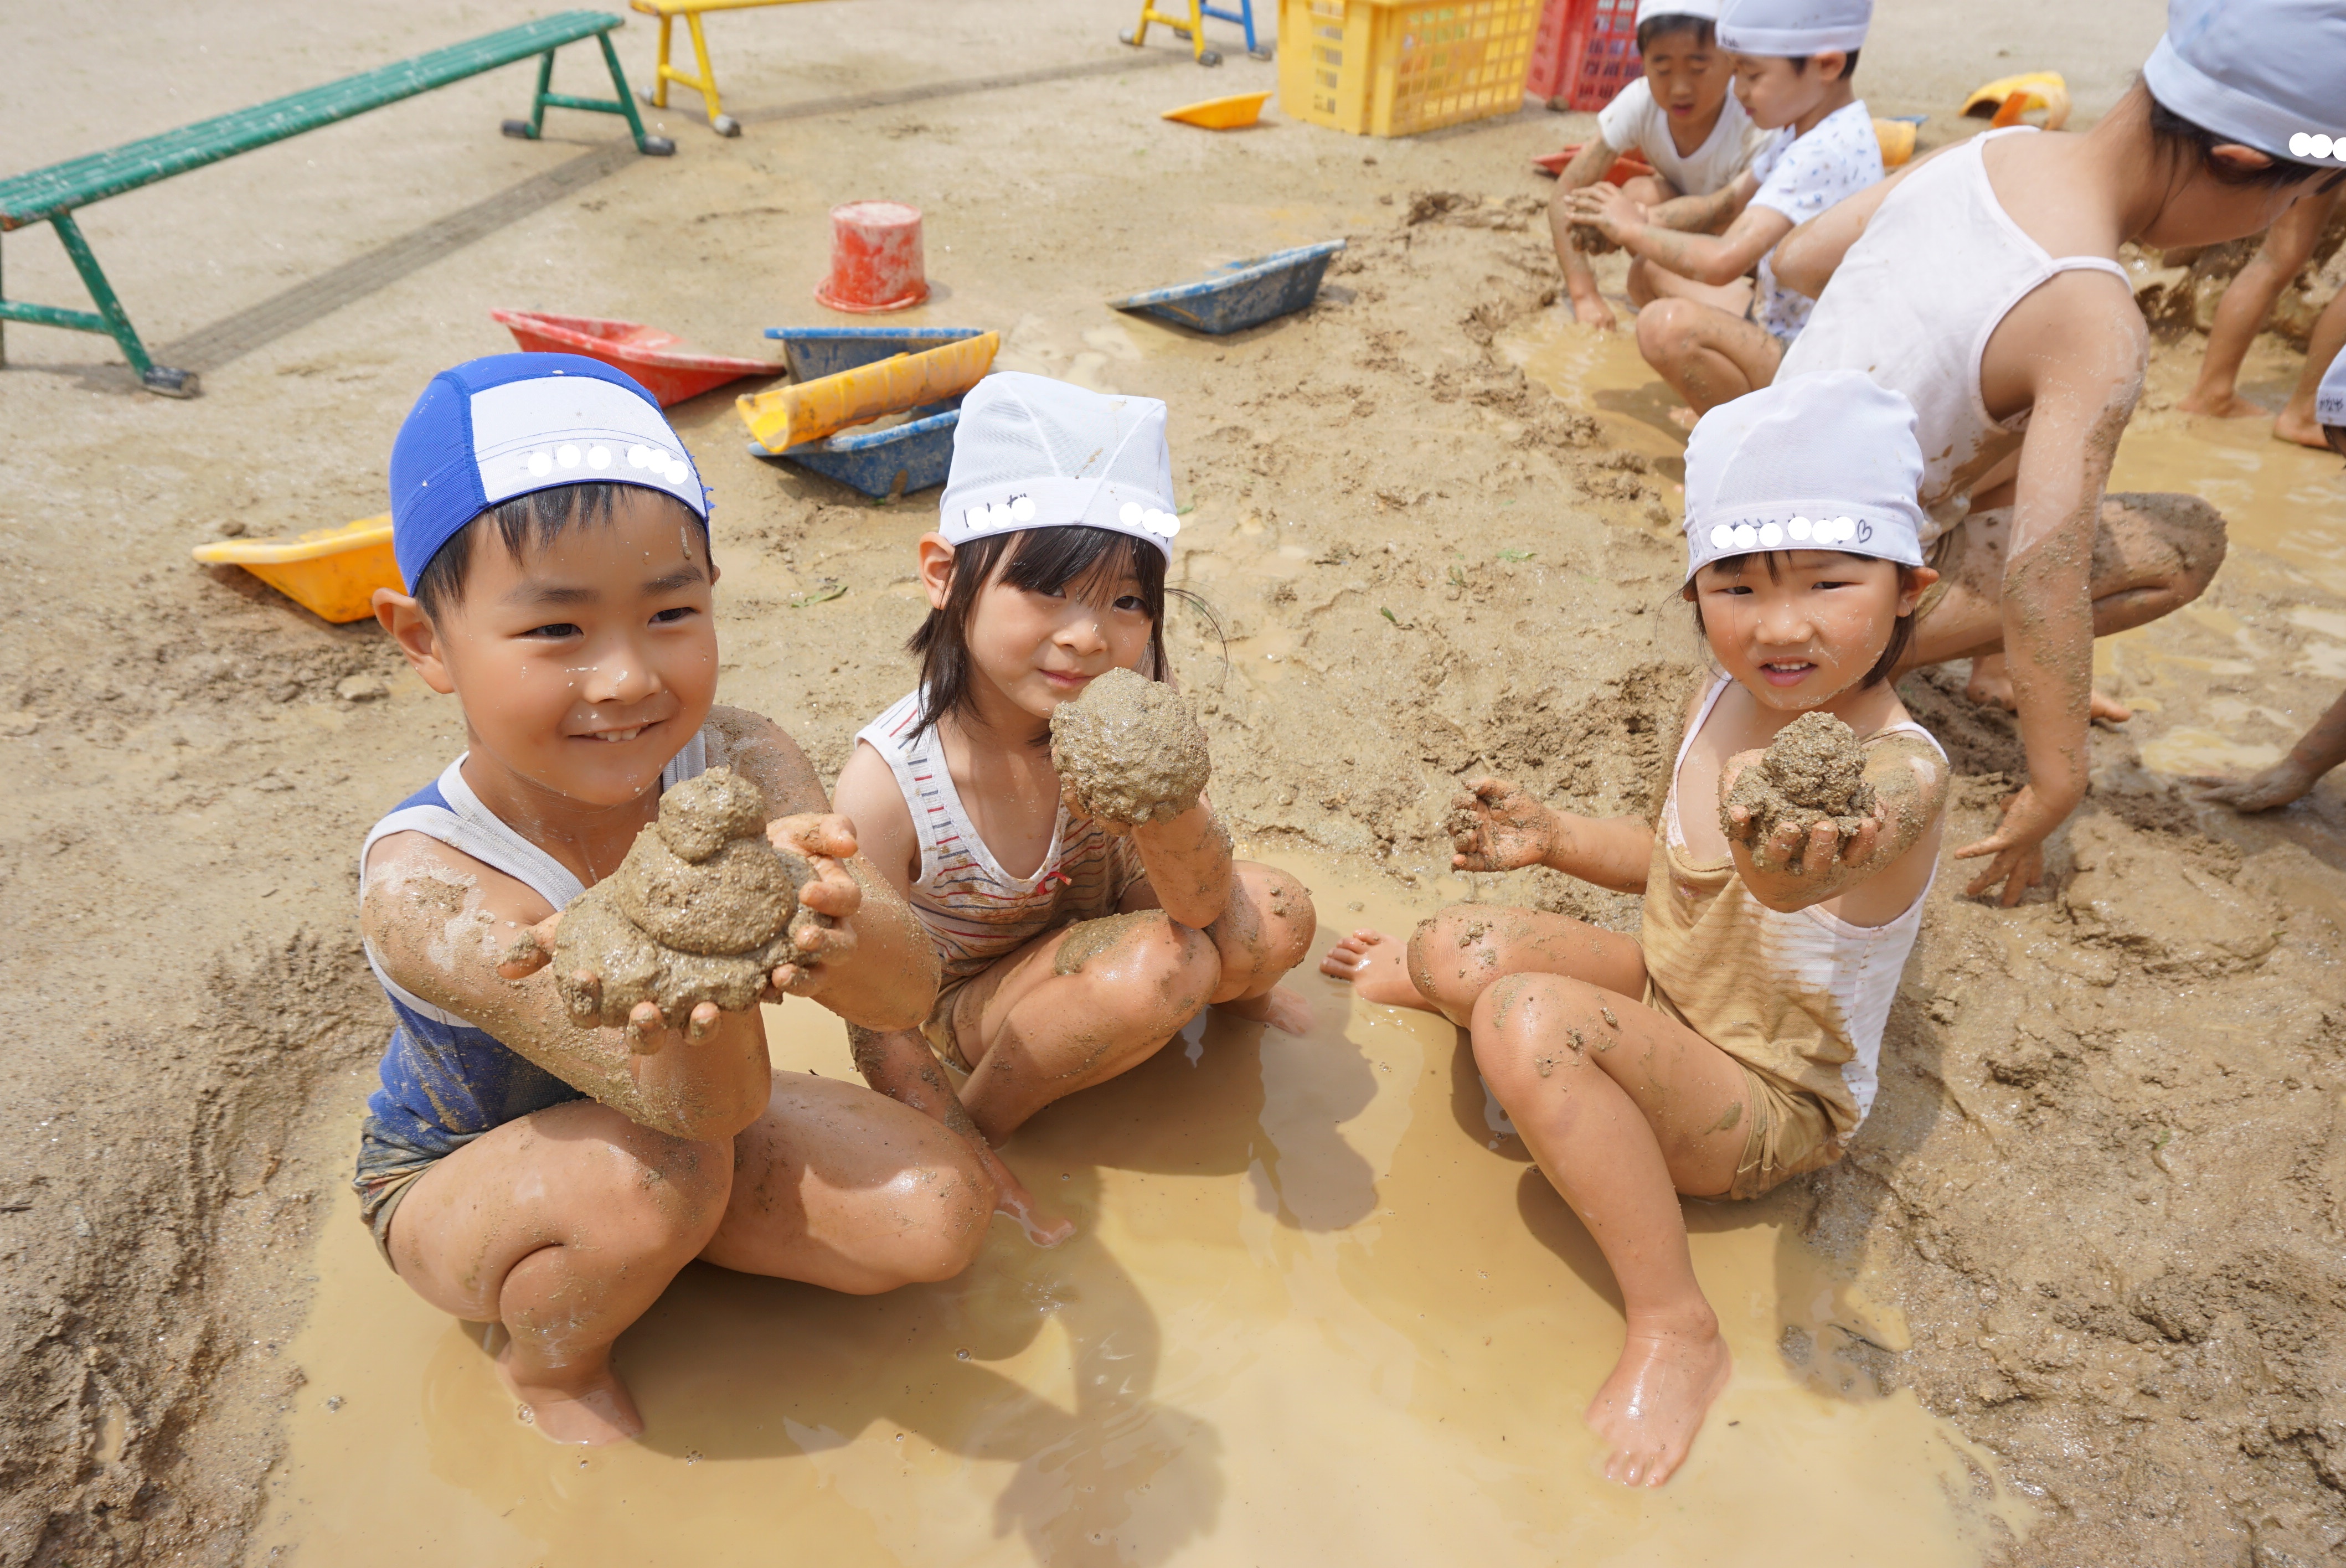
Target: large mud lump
[
  {"x": 1814, "y": 768},
  {"x": 1128, "y": 750},
  {"x": 703, "y": 909}
]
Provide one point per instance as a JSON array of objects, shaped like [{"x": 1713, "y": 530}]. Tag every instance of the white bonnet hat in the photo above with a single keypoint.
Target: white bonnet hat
[
  {"x": 1823, "y": 461},
  {"x": 1794, "y": 30},
  {"x": 2330, "y": 401},
  {"x": 1034, "y": 452},
  {"x": 1702, "y": 10},
  {"x": 2268, "y": 73}
]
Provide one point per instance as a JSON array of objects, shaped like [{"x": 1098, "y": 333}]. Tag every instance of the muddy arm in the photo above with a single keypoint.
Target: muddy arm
[
  {"x": 1188, "y": 864},
  {"x": 1586, "y": 167},
  {"x": 439, "y": 922},
  {"x": 1700, "y": 214},
  {"x": 1910, "y": 792},
  {"x": 1704, "y": 257}
]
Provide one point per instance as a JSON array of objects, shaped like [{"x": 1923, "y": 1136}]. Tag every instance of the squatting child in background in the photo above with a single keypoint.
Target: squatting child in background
[
  {"x": 1681, "y": 117},
  {"x": 1794, "y": 59},
  {"x": 1074, "y": 945},
  {"x": 520, "y": 1169},
  {"x": 1734, "y": 1041},
  {"x": 2323, "y": 746},
  {"x": 2242, "y": 314},
  {"x": 1984, "y": 284}
]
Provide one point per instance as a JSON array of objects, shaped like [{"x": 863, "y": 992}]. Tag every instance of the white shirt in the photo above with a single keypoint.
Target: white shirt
[
  {"x": 1800, "y": 177},
  {"x": 1633, "y": 119}
]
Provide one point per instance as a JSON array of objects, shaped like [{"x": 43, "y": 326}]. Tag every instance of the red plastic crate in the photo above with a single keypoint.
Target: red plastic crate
[{"x": 1585, "y": 53}]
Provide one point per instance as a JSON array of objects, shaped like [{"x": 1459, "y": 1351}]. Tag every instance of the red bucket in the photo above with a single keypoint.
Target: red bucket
[{"x": 875, "y": 258}]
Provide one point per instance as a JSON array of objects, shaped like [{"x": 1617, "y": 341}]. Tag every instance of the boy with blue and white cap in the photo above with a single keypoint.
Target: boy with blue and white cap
[
  {"x": 1734, "y": 1041},
  {"x": 1076, "y": 938},
  {"x": 1983, "y": 283},
  {"x": 2323, "y": 746},
  {"x": 1794, "y": 62},
  {"x": 516, "y": 1167}
]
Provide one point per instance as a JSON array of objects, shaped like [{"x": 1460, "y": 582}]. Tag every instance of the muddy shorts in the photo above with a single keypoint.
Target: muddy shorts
[
  {"x": 1787, "y": 1130},
  {"x": 387, "y": 1169}
]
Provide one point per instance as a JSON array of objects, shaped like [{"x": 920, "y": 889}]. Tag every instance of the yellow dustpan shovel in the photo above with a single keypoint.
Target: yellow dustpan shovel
[
  {"x": 1221, "y": 113},
  {"x": 2009, "y": 98},
  {"x": 330, "y": 572}
]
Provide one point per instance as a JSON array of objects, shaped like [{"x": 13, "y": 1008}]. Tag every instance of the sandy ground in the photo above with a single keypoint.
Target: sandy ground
[{"x": 2102, "y": 1180}]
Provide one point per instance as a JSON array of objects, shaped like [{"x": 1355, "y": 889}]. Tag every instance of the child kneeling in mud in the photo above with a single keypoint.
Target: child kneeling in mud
[
  {"x": 523, "y": 1163},
  {"x": 1081, "y": 896},
  {"x": 1734, "y": 1042}
]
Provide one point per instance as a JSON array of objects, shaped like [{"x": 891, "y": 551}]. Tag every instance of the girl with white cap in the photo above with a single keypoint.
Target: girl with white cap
[
  {"x": 1046, "y": 571},
  {"x": 1735, "y": 1040},
  {"x": 2323, "y": 746},
  {"x": 1680, "y": 116},
  {"x": 1983, "y": 282}
]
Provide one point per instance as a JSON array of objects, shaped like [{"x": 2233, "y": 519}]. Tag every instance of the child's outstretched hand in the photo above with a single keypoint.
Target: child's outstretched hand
[
  {"x": 826, "y": 840},
  {"x": 1499, "y": 826},
  {"x": 1809, "y": 856}
]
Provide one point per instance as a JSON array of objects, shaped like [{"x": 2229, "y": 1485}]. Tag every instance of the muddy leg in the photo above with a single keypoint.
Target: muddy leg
[
  {"x": 1266, "y": 931},
  {"x": 1076, "y": 1008},
  {"x": 1623, "y": 1119},
  {"x": 563, "y": 1226},
  {"x": 1461, "y": 953},
  {"x": 2297, "y": 423},
  {"x": 1708, "y": 356}
]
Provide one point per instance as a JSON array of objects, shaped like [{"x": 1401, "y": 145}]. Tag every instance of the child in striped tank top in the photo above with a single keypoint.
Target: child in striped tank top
[{"x": 1072, "y": 948}]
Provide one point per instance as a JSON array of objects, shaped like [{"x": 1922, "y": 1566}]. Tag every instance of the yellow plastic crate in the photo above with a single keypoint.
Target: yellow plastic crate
[{"x": 1396, "y": 67}]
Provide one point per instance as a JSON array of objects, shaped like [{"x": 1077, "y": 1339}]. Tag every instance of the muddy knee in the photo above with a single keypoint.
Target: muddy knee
[
  {"x": 938, "y": 1213},
  {"x": 1533, "y": 1027},
  {"x": 2183, "y": 535},
  {"x": 1269, "y": 927},
  {"x": 1662, "y": 330},
  {"x": 1143, "y": 965},
  {"x": 1452, "y": 955},
  {"x": 657, "y": 1196}
]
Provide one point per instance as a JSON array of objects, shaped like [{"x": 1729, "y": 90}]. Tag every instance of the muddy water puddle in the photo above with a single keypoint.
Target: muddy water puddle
[{"x": 1311, "y": 1314}]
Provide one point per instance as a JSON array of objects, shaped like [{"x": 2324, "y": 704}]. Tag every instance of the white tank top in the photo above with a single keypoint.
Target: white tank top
[
  {"x": 1802, "y": 994},
  {"x": 975, "y": 911},
  {"x": 1914, "y": 304}
]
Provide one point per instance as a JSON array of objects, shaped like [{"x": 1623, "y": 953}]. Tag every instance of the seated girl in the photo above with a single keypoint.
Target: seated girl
[
  {"x": 1073, "y": 947},
  {"x": 1734, "y": 1042}
]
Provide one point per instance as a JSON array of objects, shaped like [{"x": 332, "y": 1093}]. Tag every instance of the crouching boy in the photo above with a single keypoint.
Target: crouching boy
[{"x": 521, "y": 1168}]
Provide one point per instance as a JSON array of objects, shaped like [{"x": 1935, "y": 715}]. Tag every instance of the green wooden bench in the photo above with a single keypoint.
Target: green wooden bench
[{"x": 50, "y": 195}]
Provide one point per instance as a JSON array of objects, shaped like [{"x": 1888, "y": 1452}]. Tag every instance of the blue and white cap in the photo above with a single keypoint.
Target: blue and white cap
[
  {"x": 2266, "y": 73},
  {"x": 1794, "y": 30},
  {"x": 2330, "y": 398},
  {"x": 1823, "y": 461},
  {"x": 494, "y": 428},
  {"x": 1034, "y": 452}
]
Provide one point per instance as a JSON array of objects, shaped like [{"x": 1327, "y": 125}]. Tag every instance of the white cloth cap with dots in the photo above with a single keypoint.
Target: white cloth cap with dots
[{"x": 1034, "y": 452}]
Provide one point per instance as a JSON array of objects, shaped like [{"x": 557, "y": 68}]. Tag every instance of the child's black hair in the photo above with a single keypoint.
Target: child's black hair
[
  {"x": 1668, "y": 22},
  {"x": 2191, "y": 144},
  {"x": 1038, "y": 561},
  {"x": 536, "y": 519},
  {"x": 1901, "y": 630},
  {"x": 1847, "y": 63}
]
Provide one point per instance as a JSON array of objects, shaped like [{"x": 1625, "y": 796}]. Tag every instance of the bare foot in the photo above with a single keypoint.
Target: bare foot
[
  {"x": 1279, "y": 1007},
  {"x": 2292, "y": 426},
  {"x": 1378, "y": 967},
  {"x": 589, "y": 1409},
  {"x": 1650, "y": 1407},
  {"x": 2230, "y": 406},
  {"x": 1990, "y": 687}
]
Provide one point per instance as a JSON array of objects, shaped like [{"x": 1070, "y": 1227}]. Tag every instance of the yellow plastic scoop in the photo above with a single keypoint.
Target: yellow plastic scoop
[
  {"x": 330, "y": 572},
  {"x": 1221, "y": 113},
  {"x": 2009, "y": 98},
  {"x": 808, "y": 411}
]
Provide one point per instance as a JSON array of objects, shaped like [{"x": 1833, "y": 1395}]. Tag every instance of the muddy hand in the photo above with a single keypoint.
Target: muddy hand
[
  {"x": 2018, "y": 846},
  {"x": 1498, "y": 827},
  {"x": 824, "y": 944},
  {"x": 1739, "y": 821},
  {"x": 1606, "y": 209},
  {"x": 1081, "y": 810},
  {"x": 531, "y": 951},
  {"x": 2277, "y": 786},
  {"x": 815, "y": 835}
]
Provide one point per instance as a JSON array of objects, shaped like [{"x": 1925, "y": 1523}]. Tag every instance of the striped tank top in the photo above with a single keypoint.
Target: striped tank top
[{"x": 975, "y": 912}]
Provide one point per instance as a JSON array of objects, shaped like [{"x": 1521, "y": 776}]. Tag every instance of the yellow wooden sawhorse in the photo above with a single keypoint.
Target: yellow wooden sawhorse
[{"x": 705, "y": 84}]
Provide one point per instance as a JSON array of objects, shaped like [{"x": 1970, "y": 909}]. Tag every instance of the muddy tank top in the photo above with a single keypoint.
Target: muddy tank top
[
  {"x": 1802, "y": 997},
  {"x": 1914, "y": 304},
  {"x": 444, "y": 1081},
  {"x": 976, "y": 912}
]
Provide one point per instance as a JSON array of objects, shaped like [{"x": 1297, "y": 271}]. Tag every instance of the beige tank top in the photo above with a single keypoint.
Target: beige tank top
[
  {"x": 1802, "y": 997},
  {"x": 1914, "y": 303}
]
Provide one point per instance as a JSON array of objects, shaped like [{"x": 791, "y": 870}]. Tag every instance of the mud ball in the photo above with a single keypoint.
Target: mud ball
[
  {"x": 1128, "y": 750},
  {"x": 1814, "y": 768}
]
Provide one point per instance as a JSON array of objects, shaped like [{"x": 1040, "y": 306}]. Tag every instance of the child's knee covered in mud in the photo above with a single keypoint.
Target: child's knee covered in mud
[
  {"x": 1453, "y": 955},
  {"x": 1142, "y": 963}
]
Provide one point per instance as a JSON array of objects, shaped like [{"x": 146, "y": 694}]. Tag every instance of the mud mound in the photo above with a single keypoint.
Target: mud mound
[
  {"x": 1128, "y": 750},
  {"x": 1813, "y": 771}
]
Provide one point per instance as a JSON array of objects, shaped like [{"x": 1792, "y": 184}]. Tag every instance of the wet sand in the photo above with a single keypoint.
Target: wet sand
[{"x": 1309, "y": 1315}]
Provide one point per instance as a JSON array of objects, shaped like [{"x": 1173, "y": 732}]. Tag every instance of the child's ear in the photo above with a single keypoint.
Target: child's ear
[
  {"x": 412, "y": 630},
  {"x": 1912, "y": 583},
  {"x": 937, "y": 568}
]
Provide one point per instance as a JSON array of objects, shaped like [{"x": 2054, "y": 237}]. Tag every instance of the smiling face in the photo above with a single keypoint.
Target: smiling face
[
  {"x": 1689, "y": 75},
  {"x": 1808, "y": 632},
  {"x": 1031, "y": 650},
  {"x": 588, "y": 662}
]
